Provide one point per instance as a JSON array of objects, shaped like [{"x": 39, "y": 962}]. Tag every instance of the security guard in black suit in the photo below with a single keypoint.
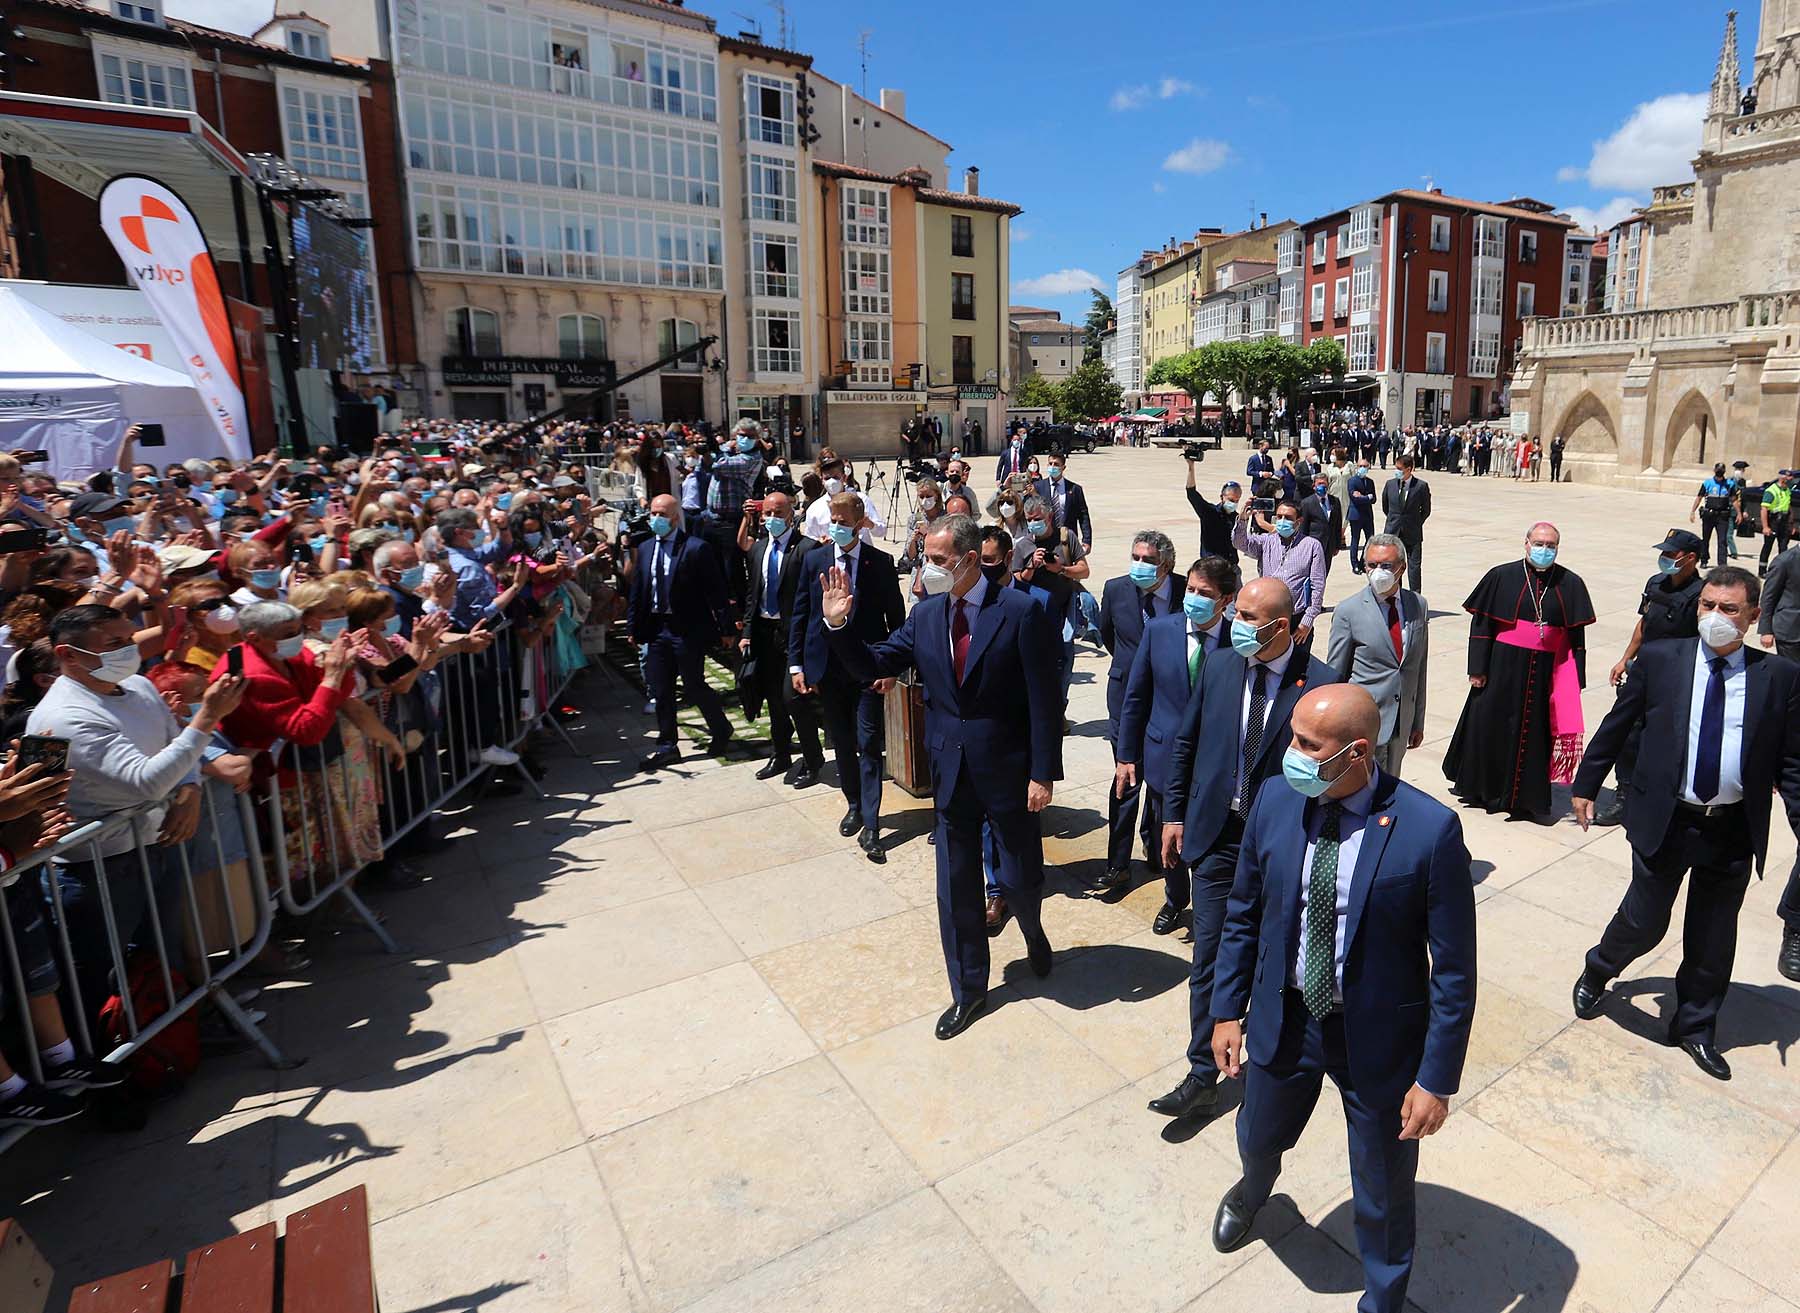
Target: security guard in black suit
[
  {"x": 778, "y": 542},
  {"x": 1669, "y": 609}
]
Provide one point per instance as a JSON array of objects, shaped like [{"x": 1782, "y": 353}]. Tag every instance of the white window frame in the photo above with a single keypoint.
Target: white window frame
[
  {"x": 1362, "y": 288},
  {"x": 1437, "y": 291},
  {"x": 148, "y": 12},
  {"x": 768, "y": 358},
  {"x": 149, "y": 61},
  {"x": 1490, "y": 237},
  {"x": 758, "y": 128},
  {"x": 1362, "y": 349},
  {"x": 868, "y": 282},
  {"x": 1484, "y": 354},
  {"x": 309, "y": 41},
  {"x": 1437, "y": 347},
  {"x": 1527, "y": 238},
  {"x": 1485, "y": 293},
  {"x": 1440, "y": 232},
  {"x": 766, "y": 204},
  {"x": 1290, "y": 303},
  {"x": 674, "y": 333},
  {"x": 869, "y": 341},
  {"x": 763, "y": 282},
  {"x": 307, "y": 106},
  {"x": 1318, "y": 249},
  {"x": 1318, "y": 303},
  {"x": 1340, "y": 298},
  {"x": 864, "y": 215},
  {"x": 1289, "y": 251},
  {"x": 460, "y": 331},
  {"x": 581, "y": 323},
  {"x": 1361, "y": 229},
  {"x": 1526, "y": 302}
]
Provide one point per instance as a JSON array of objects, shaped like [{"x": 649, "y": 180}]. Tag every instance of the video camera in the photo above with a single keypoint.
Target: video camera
[
  {"x": 918, "y": 469},
  {"x": 779, "y": 482},
  {"x": 634, "y": 526},
  {"x": 1195, "y": 451}
]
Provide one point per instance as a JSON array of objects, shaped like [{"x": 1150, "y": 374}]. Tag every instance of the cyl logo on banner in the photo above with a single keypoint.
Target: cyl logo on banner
[{"x": 160, "y": 242}]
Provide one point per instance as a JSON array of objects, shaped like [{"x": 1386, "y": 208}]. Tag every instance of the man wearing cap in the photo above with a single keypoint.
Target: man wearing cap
[
  {"x": 1669, "y": 609},
  {"x": 1715, "y": 509},
  {"x": 1744, "y": 517},
  {"x": 1777, "y": 507}
]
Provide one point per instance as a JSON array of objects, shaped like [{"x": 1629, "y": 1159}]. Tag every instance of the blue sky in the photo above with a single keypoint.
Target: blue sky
[{"x": 1119, "y": 126}]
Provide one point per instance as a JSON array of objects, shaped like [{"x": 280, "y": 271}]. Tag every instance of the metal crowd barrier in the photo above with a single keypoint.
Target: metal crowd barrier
[{"x": 204, "y": 977}]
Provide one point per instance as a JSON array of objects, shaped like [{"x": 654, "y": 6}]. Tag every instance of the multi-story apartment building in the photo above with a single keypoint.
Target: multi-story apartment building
[
  {"x": 1128, "y": 312},
  {"x": 1167, "y": 295},
  {"x": 1426, "y": 293},
  {"x": 1242, "y": 306},
  {"x": 1578, "y": 264},
  {"x": 1629, "y": 244},
  {"x": 1049, "y": 347}
]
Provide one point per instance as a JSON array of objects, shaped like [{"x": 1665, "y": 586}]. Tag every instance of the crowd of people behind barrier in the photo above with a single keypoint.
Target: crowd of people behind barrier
[{"x": 235, "y": 693}]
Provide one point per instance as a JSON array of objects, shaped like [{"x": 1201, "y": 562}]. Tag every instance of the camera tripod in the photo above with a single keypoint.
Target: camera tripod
[{"x": 874, "y": 477}]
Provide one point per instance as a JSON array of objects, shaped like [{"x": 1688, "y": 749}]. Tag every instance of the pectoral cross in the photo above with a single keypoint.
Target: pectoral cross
[{"x": 1541, "y": 627}]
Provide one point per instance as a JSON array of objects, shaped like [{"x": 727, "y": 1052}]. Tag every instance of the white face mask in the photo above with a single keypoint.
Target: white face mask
[
  {"x": 115, "y": 666},
  {"x": 928, "y": 503},
  {"x": 221, "y": 620},
  {"x": 1717, "y": 631},
  {"x": 935, "y": 578},
  {"x": 834, "y": 486},
  {"x": 1383, "y": 580}
]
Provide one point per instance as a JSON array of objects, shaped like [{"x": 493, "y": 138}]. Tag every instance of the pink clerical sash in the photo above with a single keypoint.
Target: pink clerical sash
[{"x": 1565, "y": 692}]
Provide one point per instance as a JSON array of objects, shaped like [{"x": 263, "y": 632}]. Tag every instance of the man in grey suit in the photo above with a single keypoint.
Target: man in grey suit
[{"x": 1378, "y": 641}]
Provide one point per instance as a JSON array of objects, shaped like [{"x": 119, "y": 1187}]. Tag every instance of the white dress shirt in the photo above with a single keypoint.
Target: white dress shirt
[
  {"x": 1731, "y": 745},
  {"x": 1213, "y": 638},
  {"x": 1351, "y": 819},
  {"x": 1271, "y": 681},
  {"x": 817, "y": 524}
]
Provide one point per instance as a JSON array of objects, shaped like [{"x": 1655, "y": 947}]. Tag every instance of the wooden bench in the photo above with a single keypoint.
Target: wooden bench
[{"x": 321, "y": 1266}]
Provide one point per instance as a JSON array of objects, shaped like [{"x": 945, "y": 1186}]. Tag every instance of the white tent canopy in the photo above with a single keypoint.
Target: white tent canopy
[{"x": 68, "y": 393}]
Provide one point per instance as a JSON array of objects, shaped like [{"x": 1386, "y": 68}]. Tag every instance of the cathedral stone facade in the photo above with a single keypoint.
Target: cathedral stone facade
[{"x": 1706, "y": 366}]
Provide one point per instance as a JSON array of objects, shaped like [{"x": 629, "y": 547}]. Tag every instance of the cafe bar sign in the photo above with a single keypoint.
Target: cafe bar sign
[{"x": 498, "y": 371}]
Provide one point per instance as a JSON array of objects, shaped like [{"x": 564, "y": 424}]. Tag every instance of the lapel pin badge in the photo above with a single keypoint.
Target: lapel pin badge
[{"x": 1384, "y": 821}]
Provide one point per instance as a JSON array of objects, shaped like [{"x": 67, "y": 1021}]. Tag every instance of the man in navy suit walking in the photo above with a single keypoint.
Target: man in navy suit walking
[
  {"x": 851, "y": 706},
  {"x": 678, "y": 609},
  {"x": 1350, "y": 941},
  {"x": 993, "y": 727},
  {"x": 1163, "y": 676},
  {"x": 1127, "y": 604},
  {"x": 1230, "y": 741}
]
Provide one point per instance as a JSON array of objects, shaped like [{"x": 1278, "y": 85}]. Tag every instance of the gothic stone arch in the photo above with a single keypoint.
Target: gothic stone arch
[
  {"x": 1693, "y": 434},
  {"x": 1589, "y": 428}
]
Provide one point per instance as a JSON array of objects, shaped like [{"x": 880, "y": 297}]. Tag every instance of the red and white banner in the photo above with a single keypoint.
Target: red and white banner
[{"x": 162, "y": 246}]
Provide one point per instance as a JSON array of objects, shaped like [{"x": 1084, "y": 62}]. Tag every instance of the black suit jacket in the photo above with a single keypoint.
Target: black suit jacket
[
  {"x": 1406, "y": 511},
  {"x": 698, "y": 610},
  {"x": 1321, "y": 517},
  {"x": 1659, "y": 694},
  {"x": 878, "y": 612},
  {"x": 1122, "y": 629},
  {"x": 793, "y": 573},
  {"x": 1075, "y": 508}
]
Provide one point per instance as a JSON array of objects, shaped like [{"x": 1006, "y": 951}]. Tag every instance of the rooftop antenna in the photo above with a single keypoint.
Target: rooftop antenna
[
  {"x": 750, "y": 24},
  {"x": 1427, "y": 179},
  {"x": 862, "y": 49},
  {"x": 781, "y": 20}
]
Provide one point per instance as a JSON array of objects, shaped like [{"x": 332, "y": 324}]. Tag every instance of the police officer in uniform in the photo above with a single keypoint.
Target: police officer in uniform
[
  {"x": 1715, "y": 507},
  {"x": 1777, "y": 516},
  {"x": 1669, "y": 609}
]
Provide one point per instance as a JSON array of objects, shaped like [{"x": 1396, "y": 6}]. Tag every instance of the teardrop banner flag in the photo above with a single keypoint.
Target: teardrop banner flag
[{"x": 161, "y": 244}]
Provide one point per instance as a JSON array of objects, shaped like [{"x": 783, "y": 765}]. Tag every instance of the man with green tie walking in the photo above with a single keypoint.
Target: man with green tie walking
[{"x": 1163, "y": 674}]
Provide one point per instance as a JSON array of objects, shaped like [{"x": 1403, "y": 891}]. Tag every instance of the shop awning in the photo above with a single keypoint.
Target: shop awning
[
  {"x": 85, "y": 143},
  {"x": 1152, "y": 412}
]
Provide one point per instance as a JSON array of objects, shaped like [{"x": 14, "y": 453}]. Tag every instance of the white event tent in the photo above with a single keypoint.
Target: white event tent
[{"x": 72, "y": 395}]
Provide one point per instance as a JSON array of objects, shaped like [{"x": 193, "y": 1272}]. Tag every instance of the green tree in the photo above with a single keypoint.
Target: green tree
[
  {"x": 1034, "y": 390},
  {"x": 1195, "y": 372},
  {"x": 1089, "y": 393},
  {"x": 1099, "y": 315}
]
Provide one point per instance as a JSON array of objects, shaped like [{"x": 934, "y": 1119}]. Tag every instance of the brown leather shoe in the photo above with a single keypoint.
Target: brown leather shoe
[{"x": 996, "y": 915}]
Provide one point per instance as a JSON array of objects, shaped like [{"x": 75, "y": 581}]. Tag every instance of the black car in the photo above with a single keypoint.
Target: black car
[{"x": 1058, "y": 440}]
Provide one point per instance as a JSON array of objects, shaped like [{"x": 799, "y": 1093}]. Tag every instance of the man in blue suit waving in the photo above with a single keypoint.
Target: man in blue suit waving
[
  {"x": 1350, "y": 941},
  {"x": 993, "y": 726}
]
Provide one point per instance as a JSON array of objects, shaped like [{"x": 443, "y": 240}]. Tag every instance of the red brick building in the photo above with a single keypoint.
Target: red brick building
[
  {"x": 1426, "y": 293},
  {"x": 191, "y": 102}
]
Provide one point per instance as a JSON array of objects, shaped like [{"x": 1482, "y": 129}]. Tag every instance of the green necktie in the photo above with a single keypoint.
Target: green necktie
[
  {"x": 1195, "y": 658},
  {"x": 1320, "y": 969}
]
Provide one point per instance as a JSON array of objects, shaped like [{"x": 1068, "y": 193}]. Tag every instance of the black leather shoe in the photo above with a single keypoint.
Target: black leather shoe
[
  {"x": 959, "y": 1016},
  {"x": 851, "y": 823},
  {"x": 1590, "y": 997},
  {"x": 1707, "y": 1058},
  {"x": 1232, "y": 1223},
  {"x": 660, "y": 758},
  {"x": 870, "y": 843},
  {"x": 1167, "y": 919},
  {"x": 1611, "y": 814},
  {"x": 1788, "y": 963},
  {"x": 806, "y": 777},
  {"x": 773, "y": 767},
  {"x": 1194, "y": 1094},
  {"x": 1038, "y": 952},
  {"x": 1115, "y": 878},
  {"x": 718, "y": 747}
]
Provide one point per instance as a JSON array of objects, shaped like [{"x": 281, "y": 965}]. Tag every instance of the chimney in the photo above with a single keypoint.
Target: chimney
[
  {"x": 1436, "y": 190},
  {"x": 1265, "y": 220},
  {"x": 894, "y": 102},
  {"x": 971, "y": 181}
]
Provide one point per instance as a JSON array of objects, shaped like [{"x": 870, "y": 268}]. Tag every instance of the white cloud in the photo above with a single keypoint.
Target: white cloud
[
  {"x": 1201, "y": 155},
  {"x": 1064, "y": 282},
  {"x": 1019, "y": 234},
  {"x": 1140, "y": 94},
  {"x": 1606, "y": 216},
  {"x": 243, "y": 16},
  {"x": 1652, "y": 147}
]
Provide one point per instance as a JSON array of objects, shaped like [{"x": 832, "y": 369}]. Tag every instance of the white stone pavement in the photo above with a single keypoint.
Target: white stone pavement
[{"x": 666, "y": 1044}]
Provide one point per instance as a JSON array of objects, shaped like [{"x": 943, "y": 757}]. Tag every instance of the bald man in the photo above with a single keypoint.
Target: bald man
[
  {"x": 1228, "y": 746},
  {"x": 1350, "y": 942}
]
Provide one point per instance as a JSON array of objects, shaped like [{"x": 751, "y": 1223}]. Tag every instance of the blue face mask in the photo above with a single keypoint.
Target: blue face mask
[
  {"x": 746, "y": 445},
  {"x": 289, "y": 648},
  {"x": 842, "y": 534},
  {"x": 1303, "y": 772},
  {"x": 391, "y": 625},
  {"x": 776, "y": 525},
  {"x": 1036, "y": 528},
  {"x": 1200, "y": 608},
  {"x": 533, "y": 539},
  {"x": 329, "y": 629},
  {"x": 1143, "y": 574},
  {"x": 1285, "y": 528},
  {"x": 1055, "y": 473},
  {"x": 319, "y": 504},
  {"x": 661, "y": 526},
  {"x": 504, "y": 501},
  {"x": 265, "y": 579},
  {"x": 410, "y": 579},
  {"x": 1667, "y": 565},
  {"x": 227, "y": 496},
  {"x": 118, "y": 524},
  {"x": 1362, "y": 471},
  {"x": 1542, "y": 557},
  {"x": 1244, "y": 640},
  {"x": 318, "y": 544}
]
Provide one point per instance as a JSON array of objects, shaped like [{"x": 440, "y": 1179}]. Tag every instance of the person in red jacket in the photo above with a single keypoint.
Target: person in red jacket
[{"x": 289, "y": 719}]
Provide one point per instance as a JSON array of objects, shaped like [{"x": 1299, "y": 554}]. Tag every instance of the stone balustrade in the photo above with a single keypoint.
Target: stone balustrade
[
  {"x": 1772, "y": 122},
  {"x": 1680, "y": 193},
  {"x": 1641, "y": 328}
]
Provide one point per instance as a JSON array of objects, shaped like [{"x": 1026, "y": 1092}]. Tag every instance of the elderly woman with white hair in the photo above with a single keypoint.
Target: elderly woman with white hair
[{"x": 294, "y": 699}]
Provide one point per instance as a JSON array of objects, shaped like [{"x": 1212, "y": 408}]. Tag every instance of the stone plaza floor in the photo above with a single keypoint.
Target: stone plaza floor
[{"x": 665, "y": 1043}]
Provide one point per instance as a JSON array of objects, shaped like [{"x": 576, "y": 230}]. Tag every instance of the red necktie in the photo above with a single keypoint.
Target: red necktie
[
  {"x": 1394, "y": 628},
  {"x": 959, "y": 638}
]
